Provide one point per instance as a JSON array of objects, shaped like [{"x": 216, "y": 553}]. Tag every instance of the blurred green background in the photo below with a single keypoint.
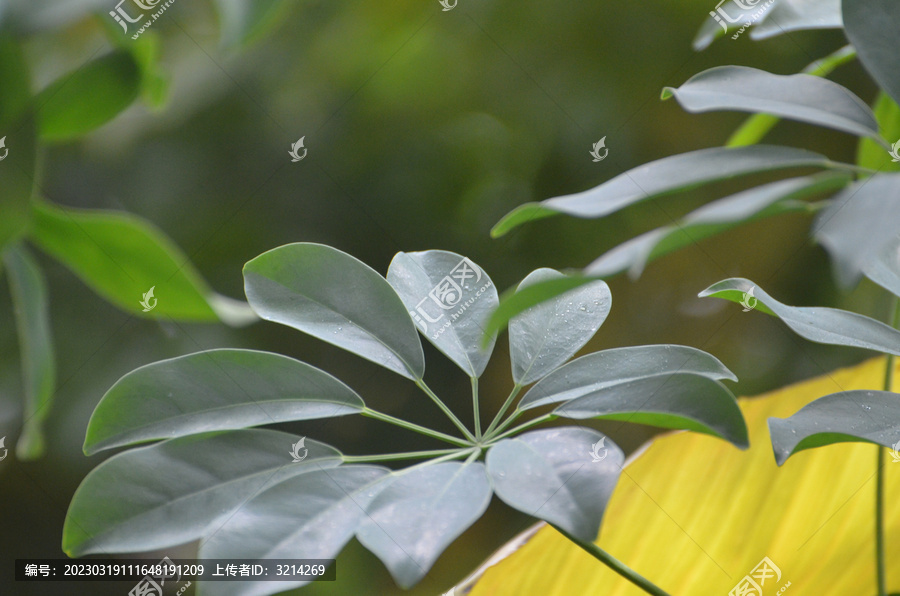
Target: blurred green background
[{"x": 423, "y": 128}]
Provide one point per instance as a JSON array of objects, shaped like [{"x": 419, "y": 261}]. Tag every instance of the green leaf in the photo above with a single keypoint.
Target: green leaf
[
  {"x": 871, "y": 26},
  {"x": 801, "y": 97},
  {"x": 885, "y": 269},
  {"x": 337, "y": 298},
  {"x": 177, "y": 491},
  {"x": 845, "y": 417},
  {"x": 679, "y": 400},
  {"x": 31, "y": 305},
  {"x": 712, "y": 28},
  {"x": 763, "y": 201},
  {"x": 514, "y": 302},
  {"x": 669, "y": 175},
  {"x": 785, "y": 16},
  {"x": 545, "y": 336},
  {"x": 17, "y": 143},
  {"x": 818, "y": 324},
  {"x": 855, "y": 229},
  {"x": 520, "y": 215},
  {"x": 872, "y": 155},
  {"x": 243, "y": 21},
  {"x": 311, "y": 516},
  {"x": 214, "y": 390},
  {"x": 451, "y": 299},
  {"x": 145, "y": 50},
  {"x": 419, "y": 512},
  {"x": 88, "y": 98},
  {"x": 121, "y": 257},
  {"x": 564, "y": 476}
]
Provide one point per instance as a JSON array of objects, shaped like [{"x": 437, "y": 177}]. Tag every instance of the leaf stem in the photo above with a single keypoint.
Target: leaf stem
[
  {"x": 523, "y": 426},
  {"x": 475, "y": 409},
  {"x": 446, "y": 410},
  {"x": 614, "y": 564},
  {"x": 880, "y": 569},
  {"x": 509, "y": 400},
  {"x": 422, "y": 430},
  {"x": 354, "y": 459}
]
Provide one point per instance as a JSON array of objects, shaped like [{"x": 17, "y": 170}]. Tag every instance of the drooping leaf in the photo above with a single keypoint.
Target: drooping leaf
[
  {"x": 664, "y": 176},
  {"x": 546, "y": 335},
  {"x": 516, "y": 301},
  {"x": 859, "y": 225},
  {"x": 819, "y": 324},
  {"x": 417, "y": 513},
  {"x": 17, "y": 143},
  {"x": 337, "y": 298},
  {"x": 885, "y": 269},
  {"x": 872, "y": 155},
  {"x": 801, "y": 97},
  {"x": 562, "y": 475},
  {"x": 845, "y": 417},
  {"x": 83, "y": 100},
  {"x": 609, "y": 369},
  {"x": 814, "y": 518},
  {"x": 871, "y": 26},
  {"x": 31, "y": 304},
  {"x": 784, "y": 16},
  {"x": 214, "y": 390},
  {"x": 243, "y": 21},
  {"x": 763, "y": 201},
  {"x": 179, "y": 490},
  {"x": 121, "y": 257},
  {"x": 450, "y": 298},
  {"x": 679, "y": 401},
  {"x": 309, "y": 516}
]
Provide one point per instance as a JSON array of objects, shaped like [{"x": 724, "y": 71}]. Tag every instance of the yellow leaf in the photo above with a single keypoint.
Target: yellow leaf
[{"x": 695, "y": 515}]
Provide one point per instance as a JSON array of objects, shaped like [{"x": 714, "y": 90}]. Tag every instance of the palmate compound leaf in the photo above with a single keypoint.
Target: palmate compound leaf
[
  {"x": 214, "y": 390},
  {"x": 665, "y": 176},
  {"x": 860, "y": 224},
  {"x": 845, "y": 417},
  {"x": 666, "y": 386},
  {"x": 546, "y": 335},
  {"x": 871, "y": 26},
  {"x": 309, "y": 516},
  {"x": 801, "y": 97},
  {"x": 562, "y": 475},
  {"x": 418, "y": 512},
  {"x": 818, "y": 324},
  {"x": 176, "y": 491},
  {"x": 337, "y": 298},
  {"x": 767, "y": 200},
  {"x": 450, "y": 298}
]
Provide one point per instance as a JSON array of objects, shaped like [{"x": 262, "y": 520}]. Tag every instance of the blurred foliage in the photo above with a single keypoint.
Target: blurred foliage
[{"x": 423, "y": 128}]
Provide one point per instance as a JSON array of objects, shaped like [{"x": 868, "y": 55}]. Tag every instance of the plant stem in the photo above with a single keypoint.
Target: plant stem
[
  {"x": 614, "y": 564},
  {"x": 355, "y": 459},
  {"x": 446, "y": 410},
  {"x": 503, "y": 409},
  {"x": 423, "y": 430},
  {"x": 880, "y": 570},
  {"x": 475, "y": 409},
  {"x": 757, "y": 126},
  {"x": 522, "y": 427}
]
